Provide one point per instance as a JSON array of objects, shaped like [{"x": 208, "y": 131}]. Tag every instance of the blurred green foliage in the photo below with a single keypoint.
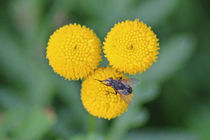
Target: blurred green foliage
[{"x": 171, "y": 103}]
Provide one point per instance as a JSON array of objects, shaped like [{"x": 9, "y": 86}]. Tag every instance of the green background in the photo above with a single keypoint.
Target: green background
[{"x": 171, "y": 103}]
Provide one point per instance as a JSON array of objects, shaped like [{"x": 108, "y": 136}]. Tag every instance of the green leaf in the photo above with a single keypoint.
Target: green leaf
[
  {"x": 26, "y": 123},
  {"x": 161, "y": 135},
  {"x": 145, "y": 92},
  {"x": 90, "y": 136},
  {"x": 12, "y": 60},
  {"x": 42, "y": 87},
  {"x": 25, "y": 71},
  {"x": 199, "y": 122},
  {"x": 153, "y": 11},
  {"x": 70, "y": 95},
  {"x": 9, "y": 99},
  {"x": 173, "y": 54},
  {"x": 132, "y": 118},
  {"x": 26, "y": 16}
]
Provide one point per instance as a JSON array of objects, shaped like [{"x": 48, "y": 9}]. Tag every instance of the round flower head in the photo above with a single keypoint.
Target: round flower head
[
  {"x": 131, "y": 47},
  {"x": 100, "y": 100},
  {"x": 74, "y": 51}
]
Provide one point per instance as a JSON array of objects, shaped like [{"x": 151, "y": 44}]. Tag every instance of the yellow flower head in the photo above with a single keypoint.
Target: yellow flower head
[
  {"x": 74, "y": 51},
  {"x": 100, "y": 100},
  {"x": 131, "y": 47}
]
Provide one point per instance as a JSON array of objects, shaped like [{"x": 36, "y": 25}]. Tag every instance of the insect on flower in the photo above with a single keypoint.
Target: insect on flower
[{"x": 121, "y": 86}]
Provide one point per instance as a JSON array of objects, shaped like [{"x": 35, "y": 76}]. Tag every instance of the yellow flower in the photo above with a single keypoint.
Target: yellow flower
[
  {"x": 74, "y": 51},
  {"x": 131, "y": 47},
  {"x": 100, "y": 100}
]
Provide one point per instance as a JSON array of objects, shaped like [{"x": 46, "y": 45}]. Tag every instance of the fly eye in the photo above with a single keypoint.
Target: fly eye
[
  {"x": 108, "y": 84},
  {"x": 107, "y": 81}
]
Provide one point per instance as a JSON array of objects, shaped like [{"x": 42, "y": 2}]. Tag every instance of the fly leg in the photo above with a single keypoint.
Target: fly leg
[
  {"x": 115, "y": 91},
  {"x": 108, "y": 92},
  {"x": 112, "y": 92},
  {"x": 120, "y": 79}
]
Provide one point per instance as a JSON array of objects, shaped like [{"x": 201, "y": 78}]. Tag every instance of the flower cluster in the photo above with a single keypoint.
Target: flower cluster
[{"x": 74, "y": 52}]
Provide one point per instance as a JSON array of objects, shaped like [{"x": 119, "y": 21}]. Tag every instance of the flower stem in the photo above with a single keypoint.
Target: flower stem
[{"x": 92, "y": 124}]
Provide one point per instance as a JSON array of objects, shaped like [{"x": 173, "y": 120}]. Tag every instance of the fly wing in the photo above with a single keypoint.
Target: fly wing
[
  {"x": 126, "y": 98},
  {"x": 130, "y": 82}
]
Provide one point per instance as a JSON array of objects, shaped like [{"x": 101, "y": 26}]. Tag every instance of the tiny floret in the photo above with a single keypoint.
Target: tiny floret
[
  {"x": 131, "y": 47},
  {"x": 74, "y": 51},
  {"x": 101, "y": 100}
]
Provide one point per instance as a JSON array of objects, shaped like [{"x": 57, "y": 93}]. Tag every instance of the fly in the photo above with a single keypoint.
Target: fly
[{"x": 121, "y": 86}]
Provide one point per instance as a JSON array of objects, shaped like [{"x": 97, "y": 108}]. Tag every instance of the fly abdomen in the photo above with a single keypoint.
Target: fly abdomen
[{"x": 126, "y": 91}]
